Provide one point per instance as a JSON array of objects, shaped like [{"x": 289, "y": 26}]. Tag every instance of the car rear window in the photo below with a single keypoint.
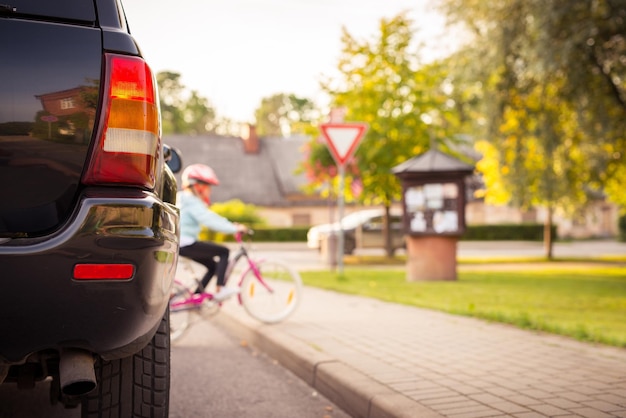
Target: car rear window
[{"x": 79, "y": 10}]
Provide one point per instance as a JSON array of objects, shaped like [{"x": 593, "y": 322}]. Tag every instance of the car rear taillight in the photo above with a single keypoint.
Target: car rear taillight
[
  {"x": 129, "y": 136},
  {"x": 103, "y": 271}
]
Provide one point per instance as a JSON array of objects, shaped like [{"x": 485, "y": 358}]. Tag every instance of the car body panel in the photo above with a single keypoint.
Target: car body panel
[
  {"x": 102, "y": 316},
  {"x": 68, "y": 10},
  {"x": 370, "y": 234},
  {"x": 47, "y": 119},
  {"x": 362, "y": 229}
]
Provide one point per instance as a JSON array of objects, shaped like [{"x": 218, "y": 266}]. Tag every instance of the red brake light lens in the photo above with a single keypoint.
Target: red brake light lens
[{"x": 129, "y": 138}]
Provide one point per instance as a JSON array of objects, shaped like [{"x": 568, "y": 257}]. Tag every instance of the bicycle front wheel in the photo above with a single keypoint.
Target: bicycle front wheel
[
  {"x": 180, "y": 314},
  {"x": 274, "y": 295}
]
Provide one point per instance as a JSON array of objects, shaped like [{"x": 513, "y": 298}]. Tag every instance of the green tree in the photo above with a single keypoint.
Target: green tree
[
  {"x": 171, "y": 100},
  {"x": 553, "y": 75},
  {"x": 284, "y": 114},
  {"x": 198, "y": 114},
  {"x": 182, "y": 112},
  {"x": 227, "y": 127},
  {"x": 407, "y": 106}
]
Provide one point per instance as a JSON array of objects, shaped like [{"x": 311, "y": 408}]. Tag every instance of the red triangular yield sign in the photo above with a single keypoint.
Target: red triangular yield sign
[{"x": 343, "y": 139}]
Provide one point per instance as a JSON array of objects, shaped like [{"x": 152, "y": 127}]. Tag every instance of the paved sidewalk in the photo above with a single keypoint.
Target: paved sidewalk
[{"x": 377, "y": 359}]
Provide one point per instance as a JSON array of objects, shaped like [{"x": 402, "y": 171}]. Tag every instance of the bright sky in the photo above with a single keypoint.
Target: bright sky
[{"x": 236, "y": 52}]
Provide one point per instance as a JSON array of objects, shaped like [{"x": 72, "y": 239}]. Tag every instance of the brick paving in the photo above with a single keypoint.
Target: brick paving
[{"x": 378, "y": 359}]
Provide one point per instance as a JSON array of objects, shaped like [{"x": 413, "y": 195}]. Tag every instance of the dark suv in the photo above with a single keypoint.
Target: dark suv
[{"x": 88, "y": 223}]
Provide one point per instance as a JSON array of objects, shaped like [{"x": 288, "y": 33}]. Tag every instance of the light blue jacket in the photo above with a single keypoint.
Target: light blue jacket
[{"x": 194, "y": 214}]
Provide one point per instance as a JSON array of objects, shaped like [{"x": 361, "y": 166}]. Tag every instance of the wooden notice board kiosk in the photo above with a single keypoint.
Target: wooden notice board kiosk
[{"x": 433, "y": 199}]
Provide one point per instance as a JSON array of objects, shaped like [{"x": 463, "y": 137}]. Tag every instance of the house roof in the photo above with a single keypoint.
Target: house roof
[{"x": 266, "y": 178}]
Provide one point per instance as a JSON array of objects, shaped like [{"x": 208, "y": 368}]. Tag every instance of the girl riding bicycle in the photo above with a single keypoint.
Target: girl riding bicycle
[{"x": 195, "y": 213}]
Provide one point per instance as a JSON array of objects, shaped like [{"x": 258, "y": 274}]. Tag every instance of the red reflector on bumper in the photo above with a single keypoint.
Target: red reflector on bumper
[{"x": 103, "y": 271}]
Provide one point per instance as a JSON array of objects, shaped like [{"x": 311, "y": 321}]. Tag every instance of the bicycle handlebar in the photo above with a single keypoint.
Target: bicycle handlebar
[{"x": 239, "y": 235}]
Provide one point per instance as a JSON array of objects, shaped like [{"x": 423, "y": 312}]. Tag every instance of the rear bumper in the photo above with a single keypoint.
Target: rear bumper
[{"x": 42, "y": 307}]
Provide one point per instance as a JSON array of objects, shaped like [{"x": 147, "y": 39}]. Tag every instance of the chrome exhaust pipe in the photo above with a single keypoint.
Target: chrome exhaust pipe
[{"x": 76, "y": 372}]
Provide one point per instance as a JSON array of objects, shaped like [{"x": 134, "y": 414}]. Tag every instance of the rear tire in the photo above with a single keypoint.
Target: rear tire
[
  {"x": 135, "y": 386},
  {"x": 279, "y": 299}
]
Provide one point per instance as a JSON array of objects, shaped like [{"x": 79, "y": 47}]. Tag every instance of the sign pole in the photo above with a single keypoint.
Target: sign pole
[{"x": 340, "y": 204}]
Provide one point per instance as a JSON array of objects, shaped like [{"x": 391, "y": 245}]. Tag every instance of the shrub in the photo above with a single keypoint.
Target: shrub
[{"x": 236, "y": 211}]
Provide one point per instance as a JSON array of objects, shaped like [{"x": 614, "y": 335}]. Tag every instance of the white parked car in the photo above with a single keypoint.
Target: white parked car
[{"x": 362, "y": 229}]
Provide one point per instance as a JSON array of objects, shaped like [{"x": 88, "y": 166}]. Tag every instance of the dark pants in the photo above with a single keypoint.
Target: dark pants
[{"x": 205, "y": 253}]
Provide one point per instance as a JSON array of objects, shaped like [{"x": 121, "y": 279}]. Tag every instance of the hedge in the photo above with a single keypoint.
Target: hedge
[
  {"x": 267, "y": 234},
  {"x": 506, "y": 232},
  {"x": 501, "y": 232}
]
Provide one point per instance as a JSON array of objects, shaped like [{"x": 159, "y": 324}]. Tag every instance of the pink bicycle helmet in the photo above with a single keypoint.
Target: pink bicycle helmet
[{"x": 199, "y": 173}]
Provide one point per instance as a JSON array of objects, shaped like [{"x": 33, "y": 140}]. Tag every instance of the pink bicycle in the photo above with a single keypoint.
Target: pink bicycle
[{"x": 270, "y": 291}]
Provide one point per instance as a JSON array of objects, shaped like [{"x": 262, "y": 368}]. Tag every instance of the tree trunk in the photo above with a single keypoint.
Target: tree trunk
[
  {"x": 547, "y": 234},
  {"x": 387, "y": 232}
]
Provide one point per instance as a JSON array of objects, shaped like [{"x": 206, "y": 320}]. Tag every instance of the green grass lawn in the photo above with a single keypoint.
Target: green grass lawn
[{"x": 582, "y": 301}]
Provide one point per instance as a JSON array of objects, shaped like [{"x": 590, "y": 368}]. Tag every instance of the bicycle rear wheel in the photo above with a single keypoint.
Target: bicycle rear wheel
[
  {"x": 180, "y": 314},
  {"x": 273, "y": 297}
]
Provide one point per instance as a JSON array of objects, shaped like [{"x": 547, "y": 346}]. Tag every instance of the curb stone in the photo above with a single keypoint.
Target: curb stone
[{"x": 351, "y": 390}]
